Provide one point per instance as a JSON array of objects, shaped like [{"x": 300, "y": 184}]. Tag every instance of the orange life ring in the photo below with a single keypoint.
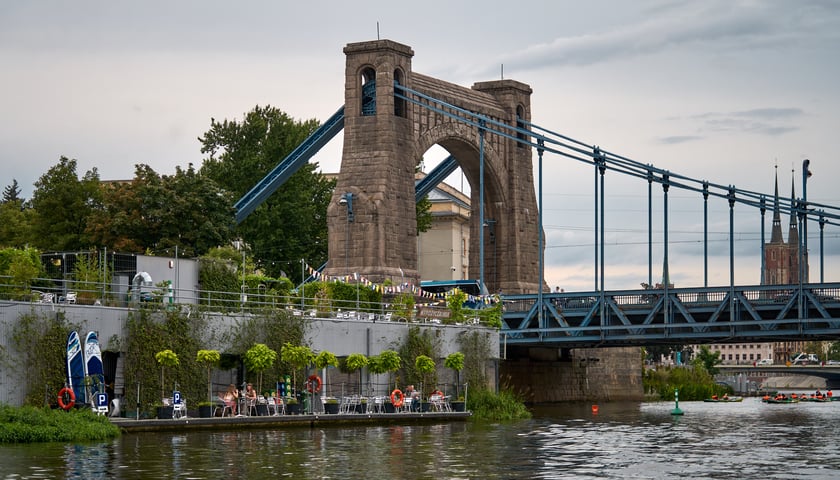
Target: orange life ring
[
  {"x": 71, "y": 398},
  {"x": 397, "y": 398},
  {"x": 313, "y": 384}
]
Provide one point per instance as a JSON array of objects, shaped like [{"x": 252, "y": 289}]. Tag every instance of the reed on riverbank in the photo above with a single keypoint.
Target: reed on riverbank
[
  {"x": 505, "y": 405},
  {"x": 33, "y": 425},
  {"x": 693, "y": 383}
]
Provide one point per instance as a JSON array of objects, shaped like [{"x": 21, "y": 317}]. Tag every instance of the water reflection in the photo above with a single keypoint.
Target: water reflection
[{"x": 732, "y": 440}]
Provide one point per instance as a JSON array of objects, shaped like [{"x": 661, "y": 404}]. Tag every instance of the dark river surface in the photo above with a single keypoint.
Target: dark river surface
[{"x": 623, "y": 440}]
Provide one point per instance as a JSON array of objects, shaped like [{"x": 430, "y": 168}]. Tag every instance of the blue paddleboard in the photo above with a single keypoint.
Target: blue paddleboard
[
  {"x": 93, "y": 363},
  {"x": 75, "y": 366}
]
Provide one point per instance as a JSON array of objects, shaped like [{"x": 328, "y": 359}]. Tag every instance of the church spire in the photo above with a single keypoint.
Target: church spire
[
  {"x": 776, "y": 232},
  {"x": 793, "y": 232}
]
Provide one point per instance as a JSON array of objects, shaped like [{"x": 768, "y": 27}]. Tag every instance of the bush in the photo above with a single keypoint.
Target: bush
[
  {"x": 487, "y": 405},
  {"x": 30, "y": 424}
]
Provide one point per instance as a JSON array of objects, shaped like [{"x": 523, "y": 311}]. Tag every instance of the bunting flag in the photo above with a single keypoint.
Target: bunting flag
[{"x": 401, "y": 288}]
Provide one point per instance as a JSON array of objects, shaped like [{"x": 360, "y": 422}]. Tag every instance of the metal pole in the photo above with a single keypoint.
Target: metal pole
[
  {"x": 763, "y": 210},
  {"x": 541, "y": 247},
  {"x": 595, "y": 154},
  {"x": 302, "y": 283},
  {"x": 805, "y": 174},
  {"x": 481, "y": 201},
  {"x": 666, "y": 277},
  {"x": 706, "y": 234},
  {"x": 650, "y": 228},
  {"x": 602, "y": 167},
  {"x": 822, "y": 250},
  {"x": 731, "y": 197}
]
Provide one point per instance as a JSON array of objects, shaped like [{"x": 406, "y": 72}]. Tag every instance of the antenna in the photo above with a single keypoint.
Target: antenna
[
  {"x": 503, "y": 71},
  {"x": 377, "y": 29}
]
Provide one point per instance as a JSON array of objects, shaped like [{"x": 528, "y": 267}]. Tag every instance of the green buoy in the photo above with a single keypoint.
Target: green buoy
[{"x": 676, "y": 410}]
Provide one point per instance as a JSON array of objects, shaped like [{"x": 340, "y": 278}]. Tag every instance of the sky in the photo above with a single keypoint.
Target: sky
[{"x": 730, "y": 91}]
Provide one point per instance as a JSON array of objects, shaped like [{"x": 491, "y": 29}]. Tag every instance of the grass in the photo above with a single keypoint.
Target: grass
[
  {"x": 34, "y": 425},
  {"x": 489, "y": 406}
]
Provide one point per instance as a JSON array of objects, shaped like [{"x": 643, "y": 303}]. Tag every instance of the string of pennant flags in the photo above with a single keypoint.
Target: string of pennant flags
[{"x": 404, "y": 288}]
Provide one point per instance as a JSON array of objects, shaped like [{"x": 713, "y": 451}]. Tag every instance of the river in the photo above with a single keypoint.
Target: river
[{"x": 622, "y": 440}]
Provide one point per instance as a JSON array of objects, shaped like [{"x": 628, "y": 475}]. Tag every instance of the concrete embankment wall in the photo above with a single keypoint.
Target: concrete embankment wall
[
  {"x": 339, "y": 336},
  {"x": 546, "y": 375}
]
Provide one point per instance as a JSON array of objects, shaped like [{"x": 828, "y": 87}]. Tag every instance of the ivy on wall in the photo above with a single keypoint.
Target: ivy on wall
[
  {"x": 418, "y": 342},
  {"x": 475, "y": 345},
  {"x": 39, "y": 353}
]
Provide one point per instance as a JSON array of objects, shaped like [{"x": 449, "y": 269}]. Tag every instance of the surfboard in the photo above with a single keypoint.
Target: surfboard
[
  {"x": 75, "y": 366},
  {"x": 93, "y": 363}
]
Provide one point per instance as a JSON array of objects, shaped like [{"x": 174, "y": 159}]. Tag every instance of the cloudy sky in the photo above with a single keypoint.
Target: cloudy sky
[{"x": 718, "y": 90}]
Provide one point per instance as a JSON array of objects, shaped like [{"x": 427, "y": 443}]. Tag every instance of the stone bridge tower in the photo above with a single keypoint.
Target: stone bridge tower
[{"x": 372, "y": 220}]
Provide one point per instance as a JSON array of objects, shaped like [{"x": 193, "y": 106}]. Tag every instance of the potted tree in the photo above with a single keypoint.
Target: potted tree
[
  {"x": 424, "y": 365},
  {"x": 257, "y": 359},
  {"x": 455, "y": 361},
  {"x": 210, "y": 358},
  {"x": 298, "y": 357},
  {"x": 165, "y": 358},
  {"x": 322, "y": 361},
  {"x": 390, "y": 361},
  {"x": 355, "y": 362}
]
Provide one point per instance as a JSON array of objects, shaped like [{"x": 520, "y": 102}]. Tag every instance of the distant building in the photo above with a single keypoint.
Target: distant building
[{"x": 443, "y": 250}]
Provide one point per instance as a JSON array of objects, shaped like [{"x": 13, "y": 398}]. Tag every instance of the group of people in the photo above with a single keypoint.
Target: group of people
[{"x": 231, "y": 396}]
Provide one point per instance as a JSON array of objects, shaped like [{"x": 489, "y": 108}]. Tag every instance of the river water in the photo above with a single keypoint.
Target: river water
[{"x": 623, "y": 440}]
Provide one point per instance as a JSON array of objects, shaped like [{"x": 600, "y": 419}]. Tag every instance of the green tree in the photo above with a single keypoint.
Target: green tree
[
  {"x": 63, "y": 202},
  {"x": 210, "y": 358},
  {"x": 258, "y": 358},
  {"x": 292, "y": 223},
  {"x": 15, "y": 224},
  {"x": 708, "y": 360},
  {"x": 166, "y": 359},
  {"x": 157, "y": 213},
  {"x": 12, "y": 192},
  {"x": 424, "y": 215},
  {"x": 298, "y": 356}
]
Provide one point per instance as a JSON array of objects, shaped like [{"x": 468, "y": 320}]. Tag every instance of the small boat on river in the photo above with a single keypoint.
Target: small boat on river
[
  {"x": 780, "y": 399},
  {"x": 724, "y": 399}
]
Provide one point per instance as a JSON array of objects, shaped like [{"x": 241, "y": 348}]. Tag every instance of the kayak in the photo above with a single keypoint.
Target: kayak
[
  {"x": 724, "y": 400},
  {"x": 784, "y": 400}
]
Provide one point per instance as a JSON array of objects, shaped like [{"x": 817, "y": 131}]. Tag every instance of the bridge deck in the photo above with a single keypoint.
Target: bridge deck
[{"x": 686, "y": 315}]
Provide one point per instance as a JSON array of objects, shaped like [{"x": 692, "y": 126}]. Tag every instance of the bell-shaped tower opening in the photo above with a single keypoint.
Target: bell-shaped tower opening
[
  {"x": 520, "y": 125},
  {"x": 399, "y": 102},
  {"x": 368, "y": 92}
]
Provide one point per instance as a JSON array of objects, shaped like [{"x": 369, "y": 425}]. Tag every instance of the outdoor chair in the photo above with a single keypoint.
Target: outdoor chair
[{"x": 226, "y": 407}]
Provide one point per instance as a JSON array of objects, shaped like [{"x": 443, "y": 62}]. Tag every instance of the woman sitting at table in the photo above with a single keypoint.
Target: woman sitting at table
[{"x": 229, "y": 397}]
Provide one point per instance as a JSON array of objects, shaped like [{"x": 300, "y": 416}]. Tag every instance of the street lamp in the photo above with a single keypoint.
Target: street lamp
[
  {"x": 806, "y": 173},
  {"x": 347, "y": 200}
]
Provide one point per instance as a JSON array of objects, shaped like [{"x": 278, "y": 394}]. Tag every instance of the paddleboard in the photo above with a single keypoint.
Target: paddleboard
[
  {"x": 93, "y": 363},
  {"x": 76, "y": 366}
]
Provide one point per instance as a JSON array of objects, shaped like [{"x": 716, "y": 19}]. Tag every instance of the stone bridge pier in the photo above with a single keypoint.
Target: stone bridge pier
[
  {"x": 372, "y": 217},
  {"x": 548, "y": 375}
]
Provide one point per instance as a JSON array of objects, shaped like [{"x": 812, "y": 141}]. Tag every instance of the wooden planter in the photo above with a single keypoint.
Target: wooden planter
[
  {"x": 205, "y": 411},
  {"x": 164, "y": 412},
  {"x": 331, "y": 408}
]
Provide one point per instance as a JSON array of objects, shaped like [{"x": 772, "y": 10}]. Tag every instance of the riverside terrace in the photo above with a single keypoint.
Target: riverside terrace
[{"x": 128, "y": 425}]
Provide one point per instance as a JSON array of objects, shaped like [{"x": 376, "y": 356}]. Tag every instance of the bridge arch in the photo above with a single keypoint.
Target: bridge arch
[{"x": 388, "y": 126}]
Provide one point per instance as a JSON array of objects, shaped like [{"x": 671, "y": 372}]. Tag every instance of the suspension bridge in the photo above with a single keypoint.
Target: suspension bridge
[{"x": 393, "y": 115}]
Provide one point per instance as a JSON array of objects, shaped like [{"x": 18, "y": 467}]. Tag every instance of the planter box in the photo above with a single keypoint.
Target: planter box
[
  {"x": 164, "y": 412},
  {"x": 389, "y": 408},
  {"x": 424, "y": 407},
  {"x": 331, "y": 408},
  {"x": 293, "y": 409},
  {"x": 205, "y": 411},
  {"x": 458, "y": 406},
  {"x": 262, "y": 409}
]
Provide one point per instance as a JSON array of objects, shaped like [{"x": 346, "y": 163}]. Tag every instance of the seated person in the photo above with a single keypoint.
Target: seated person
[
  {"x": 250, "y": 396},
  {"x": 230, "y": 396}
]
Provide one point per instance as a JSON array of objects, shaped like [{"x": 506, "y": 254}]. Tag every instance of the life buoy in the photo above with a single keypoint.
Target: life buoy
[
  {"x": 313, "y": 384},
  {"x": 67, "y": 393},
  {"x": 397, "y": 398}
]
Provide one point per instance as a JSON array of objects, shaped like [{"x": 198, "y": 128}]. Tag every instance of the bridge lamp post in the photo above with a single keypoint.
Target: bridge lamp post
[{"x": 806, "y": 173}]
